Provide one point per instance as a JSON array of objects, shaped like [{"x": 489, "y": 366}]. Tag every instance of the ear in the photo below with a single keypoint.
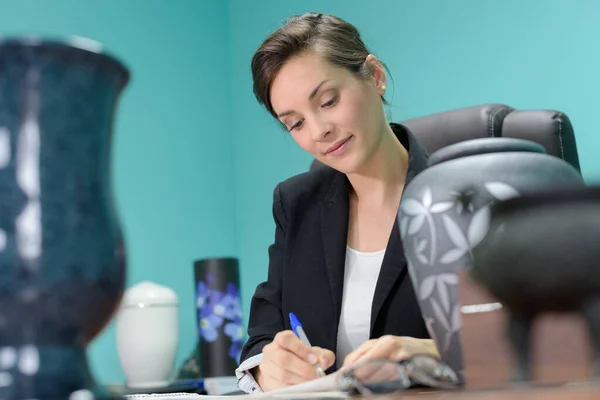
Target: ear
[{"x": 377, "y": 73}]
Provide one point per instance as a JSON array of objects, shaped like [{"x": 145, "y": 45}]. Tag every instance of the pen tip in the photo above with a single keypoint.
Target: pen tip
[{"x": 320, "y": 371}]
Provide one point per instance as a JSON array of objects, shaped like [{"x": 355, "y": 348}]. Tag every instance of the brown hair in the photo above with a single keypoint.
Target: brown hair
[{"x": 338, "y": 41}]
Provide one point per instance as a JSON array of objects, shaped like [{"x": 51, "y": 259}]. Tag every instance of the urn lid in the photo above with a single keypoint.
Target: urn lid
[
  {"x": 474, "y": 147},
  {"x": 148, "y": 293}
]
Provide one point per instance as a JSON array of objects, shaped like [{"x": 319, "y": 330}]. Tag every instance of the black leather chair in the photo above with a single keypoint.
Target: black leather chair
[{"x": 552, "y": 129}]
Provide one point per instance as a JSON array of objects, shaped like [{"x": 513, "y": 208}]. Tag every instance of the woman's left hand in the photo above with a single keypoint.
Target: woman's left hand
[{"x": 393, "y": 348}]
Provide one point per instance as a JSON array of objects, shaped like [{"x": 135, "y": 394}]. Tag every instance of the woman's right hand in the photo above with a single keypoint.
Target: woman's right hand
[{"x": 287, "y": 361}]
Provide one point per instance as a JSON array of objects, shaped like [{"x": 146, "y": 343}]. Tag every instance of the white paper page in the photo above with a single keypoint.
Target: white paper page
[
  {"x": 325, "y": 384},
  {"x": 270, "y": 395},
  {"x": 325, "y": 387}
]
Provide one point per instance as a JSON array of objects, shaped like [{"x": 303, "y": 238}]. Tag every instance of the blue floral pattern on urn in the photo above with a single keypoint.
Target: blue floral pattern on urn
[
  {"x": 220, "y": 310},
  {"x": 220, "y": 317},
  {"x": 62, "y": 253}
]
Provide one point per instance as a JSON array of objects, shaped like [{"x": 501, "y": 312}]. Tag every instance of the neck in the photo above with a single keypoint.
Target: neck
[{"x": 381, "y": 180}]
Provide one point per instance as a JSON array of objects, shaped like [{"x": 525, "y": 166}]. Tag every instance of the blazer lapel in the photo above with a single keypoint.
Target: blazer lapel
[
  {"x": 394, "y": 261},
  {"x": 334, "y": 233},
  {"x": 392, "y": 266}
]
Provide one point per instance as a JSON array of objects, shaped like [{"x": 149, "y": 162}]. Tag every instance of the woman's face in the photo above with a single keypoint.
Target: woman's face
[{"x": 331, "y": 113}]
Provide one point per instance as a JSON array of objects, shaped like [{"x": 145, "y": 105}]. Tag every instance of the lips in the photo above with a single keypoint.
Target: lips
[{"x": 338, "y": 145}]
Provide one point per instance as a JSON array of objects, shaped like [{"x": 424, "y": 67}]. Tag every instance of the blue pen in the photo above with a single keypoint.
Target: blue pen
[{"x": 297, "y": 328}]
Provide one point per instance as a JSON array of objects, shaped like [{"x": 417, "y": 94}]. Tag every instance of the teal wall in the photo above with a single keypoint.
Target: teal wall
[
  {"x": 172, "y": 158},
  {"x": 196, "y": 159}
]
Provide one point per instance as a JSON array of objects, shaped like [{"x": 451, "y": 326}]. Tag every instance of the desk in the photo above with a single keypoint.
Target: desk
[{"x": 587, "y": 391}]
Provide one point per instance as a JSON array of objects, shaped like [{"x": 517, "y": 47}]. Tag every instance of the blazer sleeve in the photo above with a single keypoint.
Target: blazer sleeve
[{"x": 266, "y": 318}]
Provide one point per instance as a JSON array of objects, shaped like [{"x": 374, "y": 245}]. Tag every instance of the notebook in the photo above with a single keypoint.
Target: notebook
[{"x": 321, "y": 388}]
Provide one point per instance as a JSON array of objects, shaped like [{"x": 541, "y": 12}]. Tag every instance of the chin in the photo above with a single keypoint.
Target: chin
[{"x": 346, "y": 165}]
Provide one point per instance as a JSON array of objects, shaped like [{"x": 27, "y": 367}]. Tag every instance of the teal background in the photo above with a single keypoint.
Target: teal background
[{"x": 196, "y": 159}]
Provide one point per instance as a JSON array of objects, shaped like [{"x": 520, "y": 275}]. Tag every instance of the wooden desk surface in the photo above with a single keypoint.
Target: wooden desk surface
[{"x": 583, "y": 391}]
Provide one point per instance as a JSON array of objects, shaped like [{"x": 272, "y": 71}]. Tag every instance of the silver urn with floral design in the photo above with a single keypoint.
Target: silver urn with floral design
[{"x": 444, "y": 213}]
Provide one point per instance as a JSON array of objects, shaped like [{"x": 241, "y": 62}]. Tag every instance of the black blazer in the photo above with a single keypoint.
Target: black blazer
[{"x": 306, "y": 263}]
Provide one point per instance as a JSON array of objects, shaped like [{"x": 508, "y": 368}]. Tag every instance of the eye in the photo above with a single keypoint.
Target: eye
[
  {"x": 297, "y": 125},
  {"x": 331, "y": 102}
]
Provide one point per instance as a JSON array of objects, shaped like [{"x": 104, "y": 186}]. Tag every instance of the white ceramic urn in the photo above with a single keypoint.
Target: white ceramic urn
[{"x": 148, "y": 334}]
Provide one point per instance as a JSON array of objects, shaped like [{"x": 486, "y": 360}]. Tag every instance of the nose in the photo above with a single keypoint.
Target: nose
[{"x": 321, "y": 130}]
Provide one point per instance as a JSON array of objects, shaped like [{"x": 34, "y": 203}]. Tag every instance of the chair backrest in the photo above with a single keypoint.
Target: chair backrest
[{"x": 552, "y": 129}]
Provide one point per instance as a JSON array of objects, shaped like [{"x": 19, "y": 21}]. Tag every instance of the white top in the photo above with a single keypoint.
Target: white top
[{"x": 360, "y": 278}]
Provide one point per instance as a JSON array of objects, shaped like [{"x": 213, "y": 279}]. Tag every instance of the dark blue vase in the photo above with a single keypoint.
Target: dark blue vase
[{"x": 62, "y": 255}]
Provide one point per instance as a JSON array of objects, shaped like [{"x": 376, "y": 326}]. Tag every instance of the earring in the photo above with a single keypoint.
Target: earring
[{"x": 383, "y": 87}]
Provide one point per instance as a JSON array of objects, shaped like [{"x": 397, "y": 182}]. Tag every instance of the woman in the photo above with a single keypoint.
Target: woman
[{"x": 337, "y": 261}]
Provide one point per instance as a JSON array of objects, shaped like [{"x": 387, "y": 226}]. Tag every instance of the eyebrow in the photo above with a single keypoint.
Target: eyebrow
[{"x": 310, "y": 97}]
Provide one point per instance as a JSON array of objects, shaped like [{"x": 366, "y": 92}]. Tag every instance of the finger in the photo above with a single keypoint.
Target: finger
[
  {"x": 326, "y": 357},
  {"x": 358, "y": 352},
  {"x": 387, "y": 347},
  {"x": 290, "y": 342},
  {"x": 370, "y": 373},
  {"x": 288, "y": 363},
  {"x": 353, "y": 357},
  {"x": 363, "y": 348}
]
